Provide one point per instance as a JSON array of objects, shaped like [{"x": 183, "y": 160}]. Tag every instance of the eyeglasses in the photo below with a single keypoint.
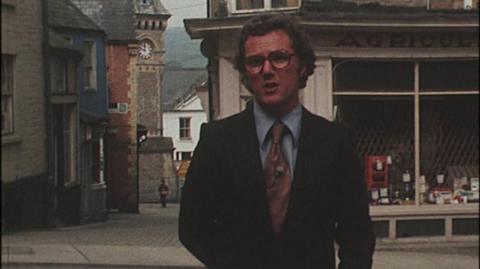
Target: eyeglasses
[{"x": 279, "y": 59}]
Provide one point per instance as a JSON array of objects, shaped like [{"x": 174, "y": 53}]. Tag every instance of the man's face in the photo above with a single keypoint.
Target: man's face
[{"x": 275, "y": 87}]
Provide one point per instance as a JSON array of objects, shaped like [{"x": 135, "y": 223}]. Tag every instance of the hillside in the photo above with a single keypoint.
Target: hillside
[{"x": 180, "y": 48}]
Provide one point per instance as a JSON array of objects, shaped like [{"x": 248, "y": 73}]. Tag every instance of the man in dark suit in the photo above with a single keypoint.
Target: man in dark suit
[{"x": 274, "y": 186}]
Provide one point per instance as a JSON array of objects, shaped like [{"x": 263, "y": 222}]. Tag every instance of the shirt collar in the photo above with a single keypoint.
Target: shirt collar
[{"x": 264, "y": 121}]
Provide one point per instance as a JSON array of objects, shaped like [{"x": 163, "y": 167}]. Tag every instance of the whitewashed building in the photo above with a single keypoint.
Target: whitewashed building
[{"x": 182, "y": 123}]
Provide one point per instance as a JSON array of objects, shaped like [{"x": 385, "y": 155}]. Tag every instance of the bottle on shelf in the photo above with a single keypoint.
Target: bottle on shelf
[{"x": 408, "y": 192}]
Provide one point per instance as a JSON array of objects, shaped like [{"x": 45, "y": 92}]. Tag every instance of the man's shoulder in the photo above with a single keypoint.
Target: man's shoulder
[
  {"x": 221, "y": 125},
  {"x": 324, "y": 126}
]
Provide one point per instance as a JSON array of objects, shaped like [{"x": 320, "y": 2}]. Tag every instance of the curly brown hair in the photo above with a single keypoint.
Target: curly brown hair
[{"x": 266, "y": 23}]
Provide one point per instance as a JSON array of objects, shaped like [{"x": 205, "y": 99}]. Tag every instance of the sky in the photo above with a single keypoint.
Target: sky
[{"x": 181, "y": 9}]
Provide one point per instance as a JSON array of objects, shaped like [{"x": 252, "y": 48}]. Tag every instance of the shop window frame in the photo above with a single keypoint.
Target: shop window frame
[{"x": 416, "y": 93}]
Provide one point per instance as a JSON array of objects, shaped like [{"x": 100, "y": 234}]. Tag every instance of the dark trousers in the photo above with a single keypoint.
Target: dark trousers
[{"x": 163, "y": 200}]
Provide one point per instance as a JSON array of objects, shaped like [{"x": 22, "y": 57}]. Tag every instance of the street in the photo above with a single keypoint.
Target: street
[{"x": 149, "y": 240}]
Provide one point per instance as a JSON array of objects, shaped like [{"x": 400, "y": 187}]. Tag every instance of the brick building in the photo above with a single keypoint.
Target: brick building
[{"x": 402, "y": 76}]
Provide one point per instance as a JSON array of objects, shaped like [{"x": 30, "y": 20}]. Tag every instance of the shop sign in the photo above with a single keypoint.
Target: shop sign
[{"x": 407, "y": 40}]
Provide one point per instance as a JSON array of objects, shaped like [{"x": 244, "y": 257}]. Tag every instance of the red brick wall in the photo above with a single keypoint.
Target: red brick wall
[{"x": 122, "y": 147}]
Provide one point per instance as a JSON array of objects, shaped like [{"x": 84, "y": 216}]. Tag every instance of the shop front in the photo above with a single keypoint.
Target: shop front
[
  {"x": 410, "y": 100},
  {"x": 406, "y": 87}
]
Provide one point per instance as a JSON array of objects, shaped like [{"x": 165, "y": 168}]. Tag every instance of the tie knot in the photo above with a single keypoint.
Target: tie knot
[{"x": 278, "y": 130}]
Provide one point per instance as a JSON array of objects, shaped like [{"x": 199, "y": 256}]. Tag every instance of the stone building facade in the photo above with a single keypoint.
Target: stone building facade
[
  {"x": 24, "y": 165},
  {"x": 155, "y": 161}
]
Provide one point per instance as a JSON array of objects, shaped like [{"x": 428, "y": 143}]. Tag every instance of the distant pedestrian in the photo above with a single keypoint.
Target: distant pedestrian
[{"x": 163, "y": 191}]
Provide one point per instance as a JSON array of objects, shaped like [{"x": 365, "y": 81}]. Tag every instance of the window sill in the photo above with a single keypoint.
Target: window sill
[
  {"x": 98, "y": 186},
  {"x": 90, "y": 90},
  {"x": 185, "y": 139},
  {"x": 11, "y": 140}
]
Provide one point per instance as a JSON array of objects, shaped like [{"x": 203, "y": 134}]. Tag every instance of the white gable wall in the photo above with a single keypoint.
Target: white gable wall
[{"x": 171, "y": 120}]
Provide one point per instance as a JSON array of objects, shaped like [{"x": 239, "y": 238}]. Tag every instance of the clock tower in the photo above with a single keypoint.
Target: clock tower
[
  {"x": 155, "y": 161},
  {"x": 151, "y": 22}
]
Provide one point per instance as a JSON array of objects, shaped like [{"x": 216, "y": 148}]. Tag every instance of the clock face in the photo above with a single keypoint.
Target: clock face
[{"x": 146, "y": 50}]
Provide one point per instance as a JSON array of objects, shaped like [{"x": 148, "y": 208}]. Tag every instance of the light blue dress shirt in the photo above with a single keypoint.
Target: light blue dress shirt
[{"x": 263, "y": 123}]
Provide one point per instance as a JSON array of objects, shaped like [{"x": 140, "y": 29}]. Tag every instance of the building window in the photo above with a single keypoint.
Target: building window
[
  {"x": 241, "y": 5},
  {"x": 185, "y": 128},
  {"x": 59, "y": 74},
  {"x": 90, "y": 65},
  {"x": 69, "y": 144},
  {"x": 64, "y": 143},
  {"x": 186, "y": 155},
  {"x": 183, "y": 155},
  {"x": 7, "y": 94},
  {"x": 97, "y": 161}
]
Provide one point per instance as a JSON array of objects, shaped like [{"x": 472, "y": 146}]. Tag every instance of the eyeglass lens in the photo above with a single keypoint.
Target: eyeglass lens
[{"x": 278, "y": 59}]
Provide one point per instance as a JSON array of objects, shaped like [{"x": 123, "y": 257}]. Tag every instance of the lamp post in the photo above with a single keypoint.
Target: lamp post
[{"x": 141, "y": 137}]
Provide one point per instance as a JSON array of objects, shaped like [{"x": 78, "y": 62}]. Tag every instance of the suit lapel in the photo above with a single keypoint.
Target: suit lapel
[
  {"x": 311, "y": 139},
  {"x": 252, "y": 183}
]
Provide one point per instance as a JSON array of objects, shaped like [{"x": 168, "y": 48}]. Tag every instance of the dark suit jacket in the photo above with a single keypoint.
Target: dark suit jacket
[{"x": 224, "y": 219}]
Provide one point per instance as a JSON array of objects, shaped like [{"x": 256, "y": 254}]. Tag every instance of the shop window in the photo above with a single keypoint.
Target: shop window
[
  {"x": 264, "y": 4},
  {"x": 90, "y": 65},
  {"x": 373, "y": 76},
  {"x": 383, "y": 131},
  {"x": 185, "y": 128},
  {"x": 7, "y": 94},
  {"x": 449, "y": 76},
  {"x": 375, "y": 100},
  {"x": 449, "y": 150},
  {"x": 69, "y": 144},
  {"x": 64, "y": 144}
]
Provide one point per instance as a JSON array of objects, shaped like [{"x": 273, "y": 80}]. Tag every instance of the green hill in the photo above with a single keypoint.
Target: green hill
[{"x": 183, "y": 50}]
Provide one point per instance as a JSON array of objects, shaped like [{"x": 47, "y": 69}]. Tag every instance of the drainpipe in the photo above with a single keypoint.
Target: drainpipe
[
  {"x": 50, "y": 186},
  {"x": 208, "y": 8}
]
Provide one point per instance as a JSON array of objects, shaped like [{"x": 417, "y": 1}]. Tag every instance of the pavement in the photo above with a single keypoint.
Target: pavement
[{"x": 149, "y": 240}]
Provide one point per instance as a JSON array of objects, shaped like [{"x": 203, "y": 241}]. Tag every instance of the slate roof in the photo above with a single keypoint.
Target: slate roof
[
  {"x": 178, "y": 83},
  {"x": 157, "y": 144},
  {"x": 156, "y": 8},
  {"x": 64, "y": 14},
  {"x": 116, "y": 17},
  {"x": 56, "y": 40}
]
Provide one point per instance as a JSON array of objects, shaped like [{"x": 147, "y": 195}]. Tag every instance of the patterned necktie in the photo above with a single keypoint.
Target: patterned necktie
[{"x": 277, "y": 178}]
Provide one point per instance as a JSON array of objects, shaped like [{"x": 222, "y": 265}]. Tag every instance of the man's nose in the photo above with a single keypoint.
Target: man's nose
[{"x": 267, "y": 67}]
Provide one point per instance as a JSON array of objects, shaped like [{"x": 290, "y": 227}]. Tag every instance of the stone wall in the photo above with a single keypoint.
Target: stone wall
[
  {"x": 156, "y": 163},
  {"x": 23, "y": 151}
]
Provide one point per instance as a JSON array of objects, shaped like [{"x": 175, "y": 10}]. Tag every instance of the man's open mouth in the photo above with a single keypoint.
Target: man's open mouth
[{"x": 270, "y": 85}]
